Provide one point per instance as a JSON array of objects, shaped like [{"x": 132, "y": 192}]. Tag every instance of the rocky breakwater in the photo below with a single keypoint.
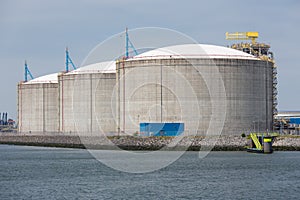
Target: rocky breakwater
[
  {"x": 127, "y": 142},
  {"x": 287, "y": 143},
  {"x": 41, "y": 140},
  {"x": 215, "y": 143}
]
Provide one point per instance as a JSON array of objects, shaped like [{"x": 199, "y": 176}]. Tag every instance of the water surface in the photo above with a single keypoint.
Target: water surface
[{"x": 57, "y": 173}]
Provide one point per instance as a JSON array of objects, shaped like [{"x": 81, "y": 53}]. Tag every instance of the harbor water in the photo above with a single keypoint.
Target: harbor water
[{"x": 58, "y": 173}]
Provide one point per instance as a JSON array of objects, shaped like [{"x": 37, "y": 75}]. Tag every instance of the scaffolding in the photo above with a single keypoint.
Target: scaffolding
[{"x": 260, "y": 50}]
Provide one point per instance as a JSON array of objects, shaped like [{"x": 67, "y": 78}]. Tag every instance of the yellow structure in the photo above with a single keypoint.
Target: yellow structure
[
  {"x": 260, "y": 50},
  {"x": 256, "y": 141},
  {"x": 242, "y": 36}
]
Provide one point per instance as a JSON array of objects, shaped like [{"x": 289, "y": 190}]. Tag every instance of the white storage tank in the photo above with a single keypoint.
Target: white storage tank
[
  {"x": 85, "y": 99},
  {"x": 164, "y": 84},
  {"x": 38, "y": 105}
]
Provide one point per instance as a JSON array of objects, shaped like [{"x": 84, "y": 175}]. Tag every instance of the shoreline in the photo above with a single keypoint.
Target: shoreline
[{"x": 129, "y": 143}]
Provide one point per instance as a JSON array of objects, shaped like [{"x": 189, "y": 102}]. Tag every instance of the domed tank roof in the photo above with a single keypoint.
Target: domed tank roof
[
  {"x": 194, "y": 51},
  {"x": 49, "y": 78},
  {"x": 101, "y": 67}
]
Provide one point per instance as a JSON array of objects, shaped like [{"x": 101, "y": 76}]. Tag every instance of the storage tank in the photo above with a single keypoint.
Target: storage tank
[
  {"x": 38, "y": 105},
  {"x": 85, "y": 99},
  {"x": 177, "y": 84}
]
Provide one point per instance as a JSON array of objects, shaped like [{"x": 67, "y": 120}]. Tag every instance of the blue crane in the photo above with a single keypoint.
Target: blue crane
[
  {"x": 27, "y": 72},
  {"x": 129, "y": 45},
  {"x": 69, "y": 61}
]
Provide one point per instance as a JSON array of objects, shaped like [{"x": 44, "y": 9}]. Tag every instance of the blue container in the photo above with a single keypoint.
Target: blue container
[
  {"x": 161, "y": 129},
  {"x": 295, "y": 120}
]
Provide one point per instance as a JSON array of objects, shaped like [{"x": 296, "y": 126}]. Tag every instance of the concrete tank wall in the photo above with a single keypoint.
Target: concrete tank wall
[
  {"x": 85, "y": 103},
  {"x": 38, "y": 107},
  {"x": 141, "y": 98}
]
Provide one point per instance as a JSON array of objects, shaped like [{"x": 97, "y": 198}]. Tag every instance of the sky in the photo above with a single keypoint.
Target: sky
[{"x": 39, "y": 31}]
